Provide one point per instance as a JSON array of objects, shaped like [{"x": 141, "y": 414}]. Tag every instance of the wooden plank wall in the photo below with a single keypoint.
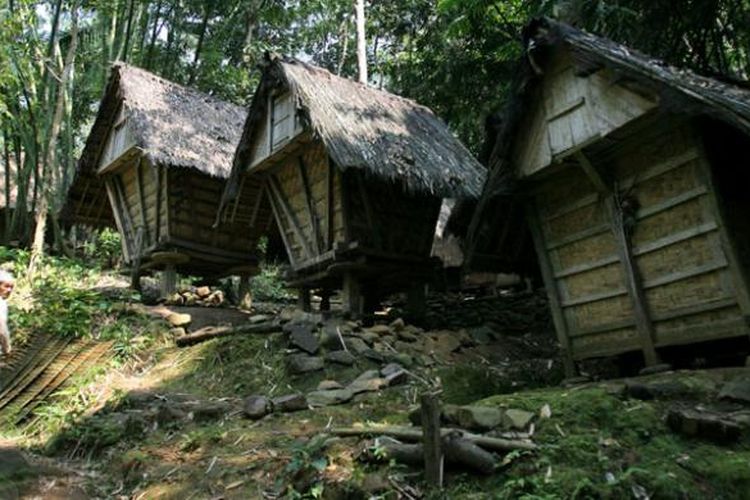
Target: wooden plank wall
[
  {"x": 279, "y": 126},
  {"x": 684, "y": 263},
  {"x": 120, "y": 138},
  {"x": 302, "y": 182}
]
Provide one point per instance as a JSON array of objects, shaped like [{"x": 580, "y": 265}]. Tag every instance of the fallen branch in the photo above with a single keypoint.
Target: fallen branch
[
  {"x": 415, "y": 434},
  {"x": 212, "y": 332}
]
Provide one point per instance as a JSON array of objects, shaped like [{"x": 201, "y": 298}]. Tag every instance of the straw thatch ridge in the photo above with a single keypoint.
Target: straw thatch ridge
[
  {"x": 175, "y": 126},
  {"x": 680, "y": 90},
  {"x": 386, "y": 135}
]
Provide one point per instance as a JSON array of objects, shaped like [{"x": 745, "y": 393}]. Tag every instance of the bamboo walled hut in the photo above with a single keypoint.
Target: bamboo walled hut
[
  {"x": 155, "y": 164},
  {"x": 355, "y": 178},
  {"x": 628, "y": 174}
]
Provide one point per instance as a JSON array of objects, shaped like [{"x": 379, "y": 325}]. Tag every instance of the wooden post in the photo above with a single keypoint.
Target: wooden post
[
  {"x": 325, "y": 300},
  {"x": 433, "y": 454},
  {"x": 352, "y": 295},
  {"x": 303, "y": 299},
  {"x": 244, "y": 297},
  {"x": 168, "y": 280}
]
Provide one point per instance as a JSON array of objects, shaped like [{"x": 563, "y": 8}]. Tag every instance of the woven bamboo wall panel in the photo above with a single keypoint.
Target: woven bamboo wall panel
[
  {"x": 680, "y": 218},
  {"x": 611, "y": 342},
  {"x": 574, "y": 221},
  {"x": 668, "y": 185},
  {"x": 689, "y": 254},
  {"x": 599, "y": 313},
  {"x": 562, "y": 190},
  {"x": 582, "y": 252},
  {"x": 688, "y": 292},
  {"x": 604, "y": 279},
  {"x": 673, "y": 328}
]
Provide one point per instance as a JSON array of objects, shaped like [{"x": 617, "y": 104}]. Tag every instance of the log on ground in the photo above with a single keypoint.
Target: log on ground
[{"x": 212, "y": 332}]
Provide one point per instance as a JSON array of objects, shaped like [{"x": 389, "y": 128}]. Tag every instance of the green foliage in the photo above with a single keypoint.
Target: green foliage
[
  {"x": 269, "y": 284},
  {"x": 105, "y": 248},
  {"x": 302, "y": 474}
]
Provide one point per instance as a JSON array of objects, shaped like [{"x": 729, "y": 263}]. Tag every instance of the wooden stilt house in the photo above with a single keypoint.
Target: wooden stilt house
[
  {"x": 155, "y": 164},
  {"x": 355, "y": 178},
  {"x": 629, "y": 174}
]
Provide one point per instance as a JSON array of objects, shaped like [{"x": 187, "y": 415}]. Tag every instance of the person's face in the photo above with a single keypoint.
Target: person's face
[{"x": 5, "y": 288}]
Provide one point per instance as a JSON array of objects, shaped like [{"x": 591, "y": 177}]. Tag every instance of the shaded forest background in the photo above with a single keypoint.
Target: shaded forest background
[{"x": 455, "y": 56}]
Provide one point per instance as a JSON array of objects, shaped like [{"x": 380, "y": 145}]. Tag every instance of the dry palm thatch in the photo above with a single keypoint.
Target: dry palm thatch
[
  {"x": 175, "y": 126},
  {"x": 385, "y": 135}
]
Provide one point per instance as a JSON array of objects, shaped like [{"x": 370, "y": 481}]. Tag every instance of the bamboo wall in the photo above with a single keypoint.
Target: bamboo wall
[{"x": 681, "y": 250}]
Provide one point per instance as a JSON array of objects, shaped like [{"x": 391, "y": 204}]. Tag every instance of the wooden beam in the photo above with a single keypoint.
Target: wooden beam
[
  {"x": 592, "y": 173},
  {"x": 369, "y": 213},
  {"x": 330, "y": 212},
  {"x": 157, "y": 182},
  {"x": 256, "y": 206},
  {"x": 237, "y": 198},
  {"x": 314, "y": 224},
  {"x": 633, "y": 281},
  {"x": 142, "y": 199},
  {"x": 431, "y": 439},
  {"x": 112, "y": 194},
  {"x": 553, "y": 294},
  {"x": 279, "y": 223},
  {"x": 273, "y": 183}
]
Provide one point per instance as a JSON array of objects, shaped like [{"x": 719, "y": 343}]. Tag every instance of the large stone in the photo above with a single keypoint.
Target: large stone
[
  {"x": 367, "y": 385},
  {"x": 292, "y": 402},
  {"x": 168, "y": 414},
  {"x": 369, "y": 337},
  {"x": 256, "y": 407},
  {"x": 301, "y": 335},
  {"x": 259, "y": 318},
  {"x": 517, "y": 419},
  {"x": 329, "y": 335},
  {"x": 356, "y": 345},
  {"x": 179, "y": 319},
  {"x": 203, "y": 291},
  {"x": 390, "y": 369},
  {"x": 329, "y": 385},
  {"x": 481, "y": 418},
  {"x": 379, "y": 329},
  {"x": 397, "y": 378},
  {"x": 401, "y": 358},
  {"x": 397, "y": 325},
  {"x": 737, "y": 389},
  {"x": 330, "y": 397},
  {"x": 340, "y": 357},
  {"x": 661, "y": 389},
  {"x": 373, "y": 355},
  {"x": 406, "y": 336},
  {"x": 704, "y": 425},
  {"x": 302, "y": 363},
  {"x": 367, "y": 375},
  {"x": 448, "y": 415}
]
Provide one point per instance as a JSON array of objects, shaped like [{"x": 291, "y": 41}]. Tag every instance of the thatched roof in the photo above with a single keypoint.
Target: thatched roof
[
  {"x": 386, "y": 135},
  {"x": 681, "y": 91},
  {"x": 174, "y": 125}
]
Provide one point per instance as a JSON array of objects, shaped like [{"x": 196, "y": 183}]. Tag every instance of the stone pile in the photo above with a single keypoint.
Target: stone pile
[
  {"x": 197, "y": 296},
  {"x": 511, "y": 313}
]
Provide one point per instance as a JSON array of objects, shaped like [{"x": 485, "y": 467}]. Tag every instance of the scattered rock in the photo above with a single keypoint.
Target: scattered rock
[
  {"x": 403, "y": 359},
  {"x": 210, "y": 411},
  {"x": 737, "y": 389},
  {"x": 179, "y": 319},
  {"x": 448, "y": 415},
  {"x": 203, "y": 291},
  {"x": 705, "y": 425},
  {"x": 482, "y": 418},
  {"x": 373, "y": 355},
  {"x": 256, "y": 407},
  {"x": 330, "y": 397},
  {"x": 369, "y": 337},
  {"x": 517, "y": 419},
  {"x": 168, "y": 414},
  {"x": 340, "y": 357},
  {"x": 650, "y": 370},
  {"x": 301, "y": 335},
  {"x": 397, "y": 378},
  {"x": 329, "y": 337},
  {"x": 662, "y": 389},
  {"x": 390, "y": 369},
  {"x": 356, "y": 345},
  {"x": 292, "y": 402},
  {"x": 367, "y": 385},
  {"x": 397, "y": 325},
  {"x": 367, "y": 375},
  {"x": 379, "y": 330},
  {"x": 328, "y": 385},
  {"x": 406, "y": 336},
  {"x": 259, "y": 318},
  {"x": 302, "y": 363}
]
